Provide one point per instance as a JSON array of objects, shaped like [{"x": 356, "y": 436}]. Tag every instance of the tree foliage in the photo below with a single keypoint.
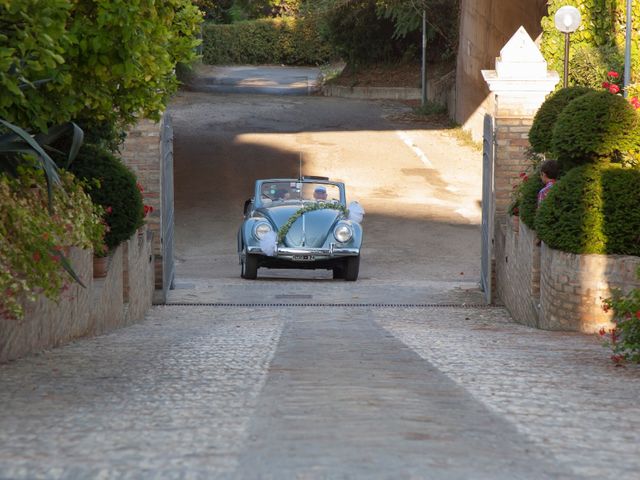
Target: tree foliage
[
  {"x": 598, "y": 44},
  {"x": 110, "y": 60}
]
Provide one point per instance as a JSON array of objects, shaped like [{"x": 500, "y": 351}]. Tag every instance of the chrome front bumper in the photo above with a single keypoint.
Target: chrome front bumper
[{"x": 305, "y": 254}]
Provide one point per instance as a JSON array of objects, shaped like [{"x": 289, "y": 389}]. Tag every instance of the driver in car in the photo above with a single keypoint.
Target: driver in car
[{"x": 320, "y": 193}]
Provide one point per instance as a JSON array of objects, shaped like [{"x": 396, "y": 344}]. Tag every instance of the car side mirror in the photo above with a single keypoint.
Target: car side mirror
[{"x": 246, "y": 206}]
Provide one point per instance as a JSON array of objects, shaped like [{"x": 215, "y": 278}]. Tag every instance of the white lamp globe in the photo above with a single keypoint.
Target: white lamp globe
[{"x": 567, "y": 19}]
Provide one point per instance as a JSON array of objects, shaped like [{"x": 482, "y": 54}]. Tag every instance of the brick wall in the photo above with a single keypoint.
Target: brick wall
[
  {"x": 573, "y": 286},
  {"x": 545, "y": 288},
  {"x": 512, "y": 142},
  {"x": 518, "y": 272},
  {"x": 96, "y": 309},
  {"x": 142, "y": 153}
]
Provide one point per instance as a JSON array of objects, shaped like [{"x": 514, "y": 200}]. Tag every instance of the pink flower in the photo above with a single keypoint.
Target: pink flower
[
  {"x": 613, "y": 88},
  {"x": 108, "y": 210},
  {"x": 613, "y": 74},
  {"x": 139, "y": 187}
]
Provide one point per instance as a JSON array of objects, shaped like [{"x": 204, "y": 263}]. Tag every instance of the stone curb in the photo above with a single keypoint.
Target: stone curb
[{"x": 375, "y": 93}]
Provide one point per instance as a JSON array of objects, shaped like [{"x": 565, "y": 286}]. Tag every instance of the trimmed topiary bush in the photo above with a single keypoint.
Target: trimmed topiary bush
[
  {"x": 593, "y": 209},
  {"x": 593, "y": 127},
  {"x": 113, "y": 186},
  {"x": 528, "y": 198},
  {"x": 545, "y": 118}
]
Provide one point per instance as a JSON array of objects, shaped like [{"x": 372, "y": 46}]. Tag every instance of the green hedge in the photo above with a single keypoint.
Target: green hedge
[
  {"x": 594, "y": 126},
  {"x": 593, "y": 209},
  {"x": 115, "y": 190},
  {"x": 289, "y": 41},
  {"x": 528, "y": 198},
  {"x": 546, "y": 116}
]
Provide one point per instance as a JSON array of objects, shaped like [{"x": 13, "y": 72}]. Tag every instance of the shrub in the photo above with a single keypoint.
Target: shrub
[
  {"x": 593, "y": 127},
  {"x": 291, "y": 41},
  {"x": 624, "y": 339},
  {"x": 32, "y": 239},
  {"x": 593, "y": 209},
  {"x": 545, "y": 118},
  {"x": 528, "y": 198},
  {"x": 113, "y": 186},
  {"x": 63, "y": 59},
  {"x": 590, "y": 64}
]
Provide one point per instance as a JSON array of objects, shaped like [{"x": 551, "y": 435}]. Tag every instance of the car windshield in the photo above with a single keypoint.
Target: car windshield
[{"x": 299, "y": 191}]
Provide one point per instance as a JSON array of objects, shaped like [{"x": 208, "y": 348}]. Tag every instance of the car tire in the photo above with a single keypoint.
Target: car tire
[
  {"x": 351, "y": 268},
  {"x": 338, "y": 273},
  {"x": 249, "y": 267}
]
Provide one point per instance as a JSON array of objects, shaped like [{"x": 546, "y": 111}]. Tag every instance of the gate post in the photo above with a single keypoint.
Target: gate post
[
  {"x": 148, "y": 151},
  {"x": 520, "y": 84}
]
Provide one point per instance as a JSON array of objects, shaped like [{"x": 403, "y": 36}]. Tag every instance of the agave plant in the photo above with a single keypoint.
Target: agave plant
[
  {"x": 17, "y": 143},
  {"x": 17, "y": 147}
]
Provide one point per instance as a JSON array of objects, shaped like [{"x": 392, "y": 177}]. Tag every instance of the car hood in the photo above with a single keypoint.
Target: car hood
[{"x": 318, "y": 224}]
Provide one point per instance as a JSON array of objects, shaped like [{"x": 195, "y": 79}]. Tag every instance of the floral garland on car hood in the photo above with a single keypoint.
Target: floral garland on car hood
[{"x": 268, "y": 244}]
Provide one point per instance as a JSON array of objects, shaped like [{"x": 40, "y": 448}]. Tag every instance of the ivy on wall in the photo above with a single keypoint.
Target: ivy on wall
[{"x": 599, "y": 43}]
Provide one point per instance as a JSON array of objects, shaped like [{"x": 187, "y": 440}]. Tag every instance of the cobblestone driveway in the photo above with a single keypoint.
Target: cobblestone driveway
[{"x": 336, "y": 392}]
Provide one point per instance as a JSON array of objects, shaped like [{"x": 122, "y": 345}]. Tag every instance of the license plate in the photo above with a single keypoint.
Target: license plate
[{"x": 304, "y": 257}]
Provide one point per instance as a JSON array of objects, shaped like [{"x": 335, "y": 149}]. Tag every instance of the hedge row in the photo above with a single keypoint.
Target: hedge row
[{"x": 289, "y": 41}]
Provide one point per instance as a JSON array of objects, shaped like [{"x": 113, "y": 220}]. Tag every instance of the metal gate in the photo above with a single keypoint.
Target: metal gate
[
  {"x": 486, "y": 272},
  {"x": 167, "y": 239}
]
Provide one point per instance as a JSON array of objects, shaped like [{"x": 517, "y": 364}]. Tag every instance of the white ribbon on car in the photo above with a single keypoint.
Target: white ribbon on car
[
  {"x": 268, "y": 243},
  {"x": 356, "y": 212}
]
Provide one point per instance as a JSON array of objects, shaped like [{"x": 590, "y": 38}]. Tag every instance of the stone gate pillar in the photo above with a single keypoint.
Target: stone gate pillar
[{"x": 520, "y": 83}]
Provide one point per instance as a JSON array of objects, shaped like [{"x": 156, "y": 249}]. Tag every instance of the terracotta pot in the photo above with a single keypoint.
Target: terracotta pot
[{"x": 101, "y": 266}]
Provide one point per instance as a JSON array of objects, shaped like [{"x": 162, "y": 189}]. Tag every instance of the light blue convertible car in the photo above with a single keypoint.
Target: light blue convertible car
[{"x": 300, "y": 223}]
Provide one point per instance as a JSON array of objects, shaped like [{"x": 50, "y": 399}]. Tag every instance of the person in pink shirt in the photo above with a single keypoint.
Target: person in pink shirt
[{"x": 548, "y": 175}]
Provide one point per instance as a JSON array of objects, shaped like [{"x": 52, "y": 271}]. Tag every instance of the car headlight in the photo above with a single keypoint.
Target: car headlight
[
  {"x": 261, "y": 230},
  {"x": 343, "y": 233}
]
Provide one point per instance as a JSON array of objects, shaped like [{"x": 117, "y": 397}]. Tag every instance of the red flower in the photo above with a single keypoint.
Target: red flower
[
  {"x": 613, "y": 74},
  {"x": 605, "y": 307},
  {"x": 36, "y": 256},
  {"x": 147, "y": 210},
  {"x": 617, "y": 358},
  {"x": 638, "y": 314},
  {"x": 108, "y": 210},
  {"x": 602, "y": 332},
  {"x": 613, "y": 88},
  {"x": 522, "y": 174},
  {"x": 55, "y": 258},
  {"x": 635, "y": 102},
  {"x": 139, "y": 187},
  {"x": 605, "y": 84}
]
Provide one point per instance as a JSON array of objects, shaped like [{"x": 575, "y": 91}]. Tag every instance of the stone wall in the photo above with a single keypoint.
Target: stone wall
[
  {"x": 518, "y": 272},
  {"x": 96, "y": 309},
  {"x": 545, "y": 288},
  {"x": 485, "y": 26}
]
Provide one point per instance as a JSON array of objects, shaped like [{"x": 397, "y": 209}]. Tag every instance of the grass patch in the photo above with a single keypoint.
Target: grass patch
[
  {"x": 464, "y": 137},
  {"x": 430, "y": 108}
]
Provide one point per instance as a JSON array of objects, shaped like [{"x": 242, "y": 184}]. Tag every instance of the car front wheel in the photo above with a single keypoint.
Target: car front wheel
[
  {"x": 249, "y": 267},
  {"x": 351, "y": 268}
]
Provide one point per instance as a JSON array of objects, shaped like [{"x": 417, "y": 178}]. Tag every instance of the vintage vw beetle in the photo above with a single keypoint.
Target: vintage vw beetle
[{"x": 300, "y": 223}]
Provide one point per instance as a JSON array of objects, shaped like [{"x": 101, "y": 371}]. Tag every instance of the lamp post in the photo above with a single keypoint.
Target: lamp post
[
  {"x": 567, "y": 20},
  {"x": 627, "y": 50}
]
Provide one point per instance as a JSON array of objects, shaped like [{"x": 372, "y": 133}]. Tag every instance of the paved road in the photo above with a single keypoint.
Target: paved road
[
  {"x": 273, "y": 80},
  {"x": 341, "y": 388}
]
